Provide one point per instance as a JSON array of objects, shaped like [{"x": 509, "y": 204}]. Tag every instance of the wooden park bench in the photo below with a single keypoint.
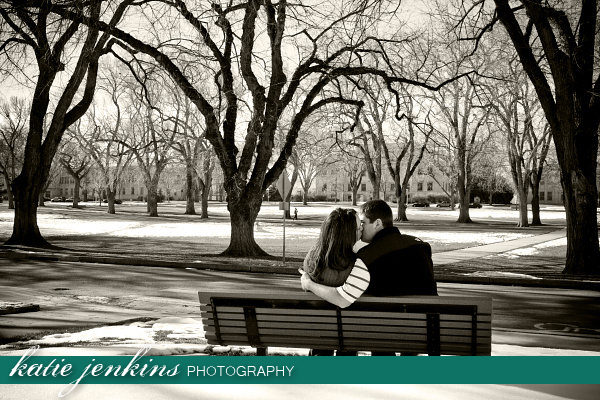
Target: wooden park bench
[{"x": 433, "y": 325}]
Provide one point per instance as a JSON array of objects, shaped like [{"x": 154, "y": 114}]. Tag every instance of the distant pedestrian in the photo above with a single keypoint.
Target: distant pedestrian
[{"x": 295, "y": 213}]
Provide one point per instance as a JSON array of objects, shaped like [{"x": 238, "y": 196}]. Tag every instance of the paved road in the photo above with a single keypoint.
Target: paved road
[{"x": 79, "y": 294}]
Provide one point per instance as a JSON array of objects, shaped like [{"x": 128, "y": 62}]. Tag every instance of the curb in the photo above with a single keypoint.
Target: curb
[{"x": 292, "y": 271}]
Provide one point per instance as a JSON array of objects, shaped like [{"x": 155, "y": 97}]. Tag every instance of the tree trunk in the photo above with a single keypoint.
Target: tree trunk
[
  {"x": 402, "y": 207},
  {"x": 580, "y": 199},
  {"x": 463, "y": 200},
  {"x": 354, "y": 196},
  {"x": 41, "y": 200},
  {"x": 9, "y": 193},
  {"x": 375, "y": 193},
  {"x": 205, "y": 194},
  {"x": 535, "y": 204},
  {"x": 189, "y": 190},
  {"x": 85, "y": 195},
  {"x": 491, "y": 197},
  {"x": 243, "y": 214},
  {"x": 152, "y": 201},
  {"x": 452, "y": 200},
  {"x": 11, "y": 198},
  {"x": 305, "y": 197},
  {"x": 523, "y": 221},
  {"x": 76, "y": 193},
  {"x": 25, "y": 227},
  {"x": 110, "y": 197}
]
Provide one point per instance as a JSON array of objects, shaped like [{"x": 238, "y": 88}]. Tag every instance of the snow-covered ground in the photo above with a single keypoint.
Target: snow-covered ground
[
  {"x": 175, "y": 336},
  {"x": 90, "y": 222}
]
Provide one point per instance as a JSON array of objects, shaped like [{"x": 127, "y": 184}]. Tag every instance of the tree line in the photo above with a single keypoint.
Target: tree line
[{"x": 249, "y": 81}]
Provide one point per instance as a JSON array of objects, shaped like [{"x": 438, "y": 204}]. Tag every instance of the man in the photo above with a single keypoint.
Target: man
[{"x": 391, "y": 264}]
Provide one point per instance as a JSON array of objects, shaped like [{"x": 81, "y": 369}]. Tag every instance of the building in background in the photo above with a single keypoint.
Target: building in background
[{"x": 333, "y": 185}]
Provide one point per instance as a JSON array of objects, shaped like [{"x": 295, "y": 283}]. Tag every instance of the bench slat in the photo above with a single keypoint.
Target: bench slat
[
  {"x": 232, "y": 313},
  {"x": 392, "y": 316},
  {"x": 444, "y": 321},
  {"x": 445, "y": 337}
]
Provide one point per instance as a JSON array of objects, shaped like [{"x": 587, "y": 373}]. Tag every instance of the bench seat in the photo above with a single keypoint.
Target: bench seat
[{"x": 433, "y": 325}]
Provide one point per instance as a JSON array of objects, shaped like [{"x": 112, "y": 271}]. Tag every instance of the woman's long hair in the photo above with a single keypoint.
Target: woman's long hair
[{"x": 334, "y": 248}]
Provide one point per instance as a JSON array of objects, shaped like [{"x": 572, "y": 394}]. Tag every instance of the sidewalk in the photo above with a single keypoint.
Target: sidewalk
[{"x": 469, "y": 259}]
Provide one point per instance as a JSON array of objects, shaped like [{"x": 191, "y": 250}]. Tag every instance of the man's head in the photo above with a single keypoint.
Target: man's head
[{"x": 375, "y": 216}]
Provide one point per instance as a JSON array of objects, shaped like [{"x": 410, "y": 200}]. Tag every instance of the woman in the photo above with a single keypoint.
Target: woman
[{"x": 330, "y": 260}]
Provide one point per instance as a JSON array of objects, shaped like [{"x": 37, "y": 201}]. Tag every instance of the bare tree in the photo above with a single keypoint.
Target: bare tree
[
  {"x": 60, "y": 48},
  {"x": 465, "y": 132},
  {"x": 491, "y": 173},
  {"x": 557, "y": 45},
  {"x": 189, "y": 144},
  {"x": 365, "y": 133},
  {"x": 313, "y": 155},
  {"x": 354, "y": 167},
  {"x": 537, "y": 168},
  {"x": 76, "y": 163},
  {"x": 53, "y": 174},
  {"x": 101, "y": 137},
  {"x": 527, "y": 145},
  {"x": 204, "y": 176},
  {"x": 151, "y": 139},
  {"x": 410, "y": 148},
  {"x": 194, "y": 150},
  {"x": 243, "y": 45},
  {"x": 13, "y": 134}
]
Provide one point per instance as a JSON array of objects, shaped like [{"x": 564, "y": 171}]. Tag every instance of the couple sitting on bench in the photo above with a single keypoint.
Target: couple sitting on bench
[{"x": 366, "y": 254}]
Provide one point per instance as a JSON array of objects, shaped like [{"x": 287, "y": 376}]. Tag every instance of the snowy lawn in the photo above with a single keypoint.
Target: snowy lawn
[{"x": 436, "y": 226}]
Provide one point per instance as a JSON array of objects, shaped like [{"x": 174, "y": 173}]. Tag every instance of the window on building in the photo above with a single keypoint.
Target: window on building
[
  {"x": 542, "y": 196},
  {"x": 429, "y": 186},
  {"x": 430, "y": 170},
  {"x": 419, "y": 186},
  {"x": 407, "y": 187},
  {"x": 392, "y": 186},
  {"x": 363, "y": 187},
  {"x": 349, "y": 187},
  {"x": 541, "y": 183},
  {"x": 71, "y": 191},
  {"x": 123, "y": 191},
  {"x": 549, "y": 196},
  {"x": 324, "y": 188},
  {"x": 420, "y": 171},
  {"x": 132, "y": 190},
  {"x": 142, "y": 190}
]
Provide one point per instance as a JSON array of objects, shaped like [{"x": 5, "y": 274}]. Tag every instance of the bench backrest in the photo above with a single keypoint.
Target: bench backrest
[{"x": 424, "y": 324}]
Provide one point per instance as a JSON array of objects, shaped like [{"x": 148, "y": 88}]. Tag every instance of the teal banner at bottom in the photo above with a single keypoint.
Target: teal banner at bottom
[{"x": 140, "y": 369}]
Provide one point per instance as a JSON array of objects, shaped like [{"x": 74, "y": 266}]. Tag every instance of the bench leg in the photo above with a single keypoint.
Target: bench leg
[{"x": 261, "y": 351}]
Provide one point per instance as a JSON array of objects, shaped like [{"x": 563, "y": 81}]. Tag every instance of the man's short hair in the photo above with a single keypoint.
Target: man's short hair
[{"x": 374, "y": 209}]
